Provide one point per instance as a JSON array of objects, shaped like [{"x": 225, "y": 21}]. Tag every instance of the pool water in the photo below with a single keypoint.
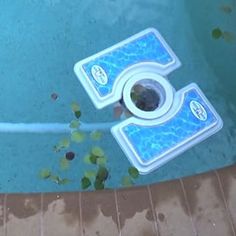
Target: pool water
[{"x": 40, "y": 41}]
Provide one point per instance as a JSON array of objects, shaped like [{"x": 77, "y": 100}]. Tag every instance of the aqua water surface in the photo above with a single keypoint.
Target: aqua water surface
[{"x": 40, "y": 41}]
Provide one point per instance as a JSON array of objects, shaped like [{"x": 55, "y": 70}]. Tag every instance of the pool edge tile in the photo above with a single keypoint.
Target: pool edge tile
[
  {"x": 207, "y": 205},
  {"x": 135, "y": 212},
  {"x": 2, "y": 215},
  {"x": 99, "y": 209},
  {"x": 227, "y": 178},
  {"x": 22, "y": 215},
  {"x": 60, "y": 214},
  {"x": 172, "y": 215}
]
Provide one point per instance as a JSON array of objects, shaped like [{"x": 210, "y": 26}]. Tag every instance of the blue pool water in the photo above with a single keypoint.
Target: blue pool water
[{"x": 40, "y": 41}]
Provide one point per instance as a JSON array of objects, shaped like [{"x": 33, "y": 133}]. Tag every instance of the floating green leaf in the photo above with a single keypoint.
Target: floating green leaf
[
  {"x": 97, "y": 151},
  {"x": 64, "y": 164},
  {"x": 55, "y": 179},
  {"x": 64, "y": 143},
  {"x": 98, "y": 185},
  {"x": 127, "y": 181},
  {"x": 216, "y": 33},
  {"x": 87, "y": 159},
  {"x": 133, "y": 172},
  {"x": 78, "y": 114},
  {"x": 85, "y": 182},
  {"x": 102, "y": 174},
  {"x": 75, "y": 107},
  {"x": 95, "y": 135},
  {"x": 228, "y": 36},
  {"x": 90, "y": 174},
  {"x": 101, "y": 161},
  {"x": 45, "y": 174},
  {"x": 74, "y": 124},
  {"x": 93, "y": 159},
  {"x": 77, "y": 136},
  {"x": 63, "y": 181}
]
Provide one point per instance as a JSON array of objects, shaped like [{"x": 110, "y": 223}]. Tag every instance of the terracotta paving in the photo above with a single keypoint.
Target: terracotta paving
[
  {"x": 135, "y": 212},
  {"x": 171, "y": 209},
  {"x": 99, "y": 214},
  {"x": 202, "y": 205}
]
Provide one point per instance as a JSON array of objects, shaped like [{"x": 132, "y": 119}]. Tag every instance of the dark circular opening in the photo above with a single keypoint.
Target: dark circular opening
[{"x": 145, "y": 97}]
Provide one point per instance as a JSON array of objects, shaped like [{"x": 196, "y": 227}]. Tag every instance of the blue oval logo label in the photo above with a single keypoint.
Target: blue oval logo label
[
  {"x": 198, "y": 110},
  {"x": 99, "y": 74}
]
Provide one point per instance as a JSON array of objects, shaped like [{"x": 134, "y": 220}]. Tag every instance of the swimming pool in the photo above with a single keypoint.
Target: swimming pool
[{"x": 39, "y": 45}]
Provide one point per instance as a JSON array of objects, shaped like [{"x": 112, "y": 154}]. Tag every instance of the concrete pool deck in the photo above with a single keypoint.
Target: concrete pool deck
[{"x": 199, "y": 205}]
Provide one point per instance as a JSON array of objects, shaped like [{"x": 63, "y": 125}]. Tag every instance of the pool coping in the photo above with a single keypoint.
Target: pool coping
[{"x": 198, "y": 205}]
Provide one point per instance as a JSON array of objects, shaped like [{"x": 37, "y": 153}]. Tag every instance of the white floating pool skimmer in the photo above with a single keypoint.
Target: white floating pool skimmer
[{"x": 165, "y": 122}]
